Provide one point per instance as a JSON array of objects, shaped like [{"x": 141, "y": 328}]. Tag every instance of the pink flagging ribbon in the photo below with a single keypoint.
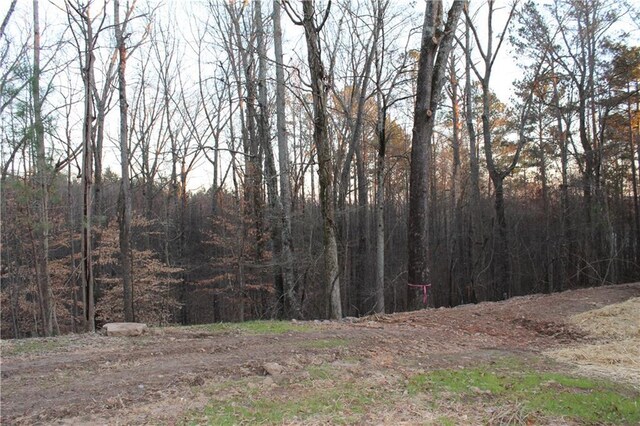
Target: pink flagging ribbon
[{"x": 425, "y": 289}]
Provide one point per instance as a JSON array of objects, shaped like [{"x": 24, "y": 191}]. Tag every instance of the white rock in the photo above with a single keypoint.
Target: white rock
[
  {"x": 116, "y": 329},
  {"x": 273, "y": 368}
]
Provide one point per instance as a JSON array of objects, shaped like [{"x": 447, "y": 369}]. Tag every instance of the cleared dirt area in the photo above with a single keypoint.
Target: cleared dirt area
[{"x": 194, "y": 375}]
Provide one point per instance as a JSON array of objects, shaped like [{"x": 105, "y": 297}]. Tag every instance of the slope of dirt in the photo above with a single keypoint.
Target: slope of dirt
[
  {"x": 168, "y": 374},
  {"x": 616, "y": 353}
]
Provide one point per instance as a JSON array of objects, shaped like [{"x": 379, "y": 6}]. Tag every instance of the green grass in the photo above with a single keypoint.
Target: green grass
[
  {"x": 444, "y": 421},
  {"x": 32, "y": 346},
  {"x": 320, "y": 372},
  {"x": 554, "y": 394},
  {"x": 342, "y": 403},
  {"x": 254, "y": 327},
  {"x": 321, "y": 397}
]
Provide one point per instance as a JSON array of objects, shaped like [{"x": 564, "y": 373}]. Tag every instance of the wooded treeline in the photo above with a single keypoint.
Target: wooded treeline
[{"x": 356, "y": 151}]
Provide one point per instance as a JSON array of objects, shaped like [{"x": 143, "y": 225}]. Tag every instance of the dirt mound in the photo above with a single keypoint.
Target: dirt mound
[
  {"x": 617, "y": 353},
  {"x": 620, "y": 321}
]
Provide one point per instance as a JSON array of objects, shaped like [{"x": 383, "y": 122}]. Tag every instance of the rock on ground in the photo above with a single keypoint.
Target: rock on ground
[
  {"x": 273, "y": 368},
  {"x": 117, "y": 329}
]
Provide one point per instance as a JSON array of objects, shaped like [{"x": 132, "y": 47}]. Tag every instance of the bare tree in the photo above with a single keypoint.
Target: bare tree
[
  {"x": 291, "y": 307},
  {"x": 319, "y": 88},
  {"x": 124, "y": 216},
  {"x": 42, "y": 227},
  {"x": 81, "y": 16},
  {"x": 437, "y": 43},
  {"x": 497, "y": 173}
]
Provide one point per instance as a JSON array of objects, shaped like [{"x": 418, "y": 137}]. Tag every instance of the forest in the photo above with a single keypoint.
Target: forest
[{"x": 205, "y": 161}]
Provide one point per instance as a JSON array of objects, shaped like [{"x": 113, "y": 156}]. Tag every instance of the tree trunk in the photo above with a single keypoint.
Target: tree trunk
[
  {"x": 87, "y": 175},
  {"x": 564, "y": 189},
  {"x": 455, "y": 208},
  {"x": 634, "y": 179},
  {"x": 42, "y": 228},
  {"x": 323, "y": 149},
  {"x": 271, "y": 175},
  {"x": 125, "y": 184},
  {"x": 475, "y": 210},
  {"x": 380, "y": 232},
  {"x": 362, "y": 278},
  {"x": 291, "y": 307},
  {"x": 435, "y": 49}
]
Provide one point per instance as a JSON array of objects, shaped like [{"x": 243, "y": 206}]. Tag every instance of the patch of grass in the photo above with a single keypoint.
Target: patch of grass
[
  {"x": 320, "y": 372},
  {"x": 32, "y": 346},
  {"x": 582, "y": 399},
  {"x": 343, "y": 403},
  {"x": 444, "y": 421},
  {"x": 325, "y": 343},
  {"x": 255, "y": 327}
]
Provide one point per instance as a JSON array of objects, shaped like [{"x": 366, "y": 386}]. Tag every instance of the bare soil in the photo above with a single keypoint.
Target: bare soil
[{"x": 173, "y": 372}]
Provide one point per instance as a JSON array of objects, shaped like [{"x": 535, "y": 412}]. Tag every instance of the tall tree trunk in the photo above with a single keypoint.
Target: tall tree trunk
[
  {"x": 501, "y": 261},
  {"x": 455, "y": 207},
  {"x": 564, "y": 188},
  {"x": 380, "y": 231},
  {"x": 362, "y": 278},
  {"x": 323, "y": 149},
  {"x": 435, "y": 49},
  {"x": 87, "y": 180},
  {"x": 125, "y": 184},
  {"x": 271, "y": 174},
  {"x": 42, "y": 228},
  {"x": 549, "y": 255},
  {"x": 475, "y": 210},
  {"x": 502, "y": 271},
  {"x": 291, "y": 307},
  {"x": 634, "y": 179}
]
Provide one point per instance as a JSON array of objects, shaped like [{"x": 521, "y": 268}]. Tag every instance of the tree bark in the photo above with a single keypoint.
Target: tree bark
[
  {"x": 291, "y": 307},
  {"x": 323, "y": 148},
  {"x": 380, "y": 231},
  {"x": 87, "y": 181},
  {"x": 634, "y": 177},
  {"x": 125, "y": 183},
  {"x": 435, "y": 49},
  {"x": 42, "y": 227},
  {"x": 271, "y": 175},
  {"x": 475, "y": 211},
  {"x": 455, "y": 208}
]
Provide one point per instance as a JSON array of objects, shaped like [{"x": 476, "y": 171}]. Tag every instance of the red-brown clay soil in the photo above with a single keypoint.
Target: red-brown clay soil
[{"x": 158, "y": 378}]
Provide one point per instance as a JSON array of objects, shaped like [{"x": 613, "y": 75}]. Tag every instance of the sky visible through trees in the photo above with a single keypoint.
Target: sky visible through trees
[{"x": 162, "y": 163}]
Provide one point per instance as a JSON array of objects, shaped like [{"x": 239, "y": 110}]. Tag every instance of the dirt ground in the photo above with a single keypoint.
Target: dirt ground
[{"x": 169, "y": 374}]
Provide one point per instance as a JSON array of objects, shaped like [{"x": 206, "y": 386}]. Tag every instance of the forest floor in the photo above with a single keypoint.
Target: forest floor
[{"x": 490, "y": 363}]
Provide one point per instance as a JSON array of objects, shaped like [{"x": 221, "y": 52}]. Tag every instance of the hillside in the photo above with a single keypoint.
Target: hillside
[{"x": 486, "y": 363}]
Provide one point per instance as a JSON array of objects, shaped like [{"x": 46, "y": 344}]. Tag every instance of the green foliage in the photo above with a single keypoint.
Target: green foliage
[{"x": 554, "y": 394}]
